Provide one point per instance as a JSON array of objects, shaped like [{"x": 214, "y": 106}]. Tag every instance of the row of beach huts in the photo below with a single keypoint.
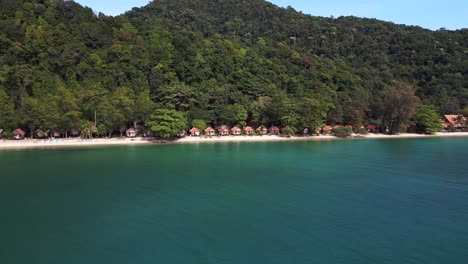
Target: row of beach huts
[{"x": 450, "y": 121}]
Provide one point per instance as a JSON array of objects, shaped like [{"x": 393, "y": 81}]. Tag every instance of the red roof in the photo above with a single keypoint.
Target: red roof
[
  {"x": 223, "y": 128},
  {"x": 273, "y": 129},
  {"x": 371, "y": 127},
  {"x": 194, "y": 130},
  {"x": 236, "y": 129},
  {"x": 209, "y": 129},
  {"x": 248, "y": 128},
  {"x": 20, "y": 132},
  {"x": 327, "y": 128},
  {"x": 452, "y": 119}
]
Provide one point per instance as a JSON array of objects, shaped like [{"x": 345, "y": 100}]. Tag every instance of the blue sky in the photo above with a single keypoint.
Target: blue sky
[{"x": 451, "y": 14}]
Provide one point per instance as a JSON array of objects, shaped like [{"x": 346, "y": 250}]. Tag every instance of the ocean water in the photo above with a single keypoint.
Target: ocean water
[{"x": 350, "y": 201}]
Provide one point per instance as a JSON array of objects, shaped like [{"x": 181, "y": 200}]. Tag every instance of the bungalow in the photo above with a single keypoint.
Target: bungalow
[
  {"x": 248, "y": 130},
  {"x": 326, "y": 129},
  {"x": 209, "y": 131},
  {"x": 236, "y": 131},
  {"x": 457, "y": 121},
  {"x": 372, "y": 128},
  {"x": 262, "y": 130},
  {"x": 39, "y": 134},
  {"x": 74, "y": 132},
  {"x": 223, "y": 130},
  {"x": 195, "y": 132},
  {"x": 274, "y": 130},
  {"x": 18, "y": 134},
  {"x": 147, "y": 133},
  {"x": 182, "y": 133},
  {"x": 131, "y": 132},
  {"x": 55, "y": 133},
  {"x": 318, "y": 130}
]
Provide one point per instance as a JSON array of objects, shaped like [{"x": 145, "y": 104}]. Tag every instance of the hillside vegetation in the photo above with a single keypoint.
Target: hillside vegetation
[{"x": 233, "y": 62}]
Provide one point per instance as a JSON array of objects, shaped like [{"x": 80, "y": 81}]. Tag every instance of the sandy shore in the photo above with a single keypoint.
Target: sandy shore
[
  {"x": 69, "y": 142},
  {"x": 41, "y": 143},
  {"x": 310, "y": 138}
]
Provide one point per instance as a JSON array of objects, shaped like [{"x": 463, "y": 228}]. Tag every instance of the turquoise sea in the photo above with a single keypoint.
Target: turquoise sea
[{"x": 342, "y": 201}]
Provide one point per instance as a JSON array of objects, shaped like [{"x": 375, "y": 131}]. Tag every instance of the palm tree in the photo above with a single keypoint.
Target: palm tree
[
  {"x": 460, "y": 121},
  {"x": 289, "y": 131}
]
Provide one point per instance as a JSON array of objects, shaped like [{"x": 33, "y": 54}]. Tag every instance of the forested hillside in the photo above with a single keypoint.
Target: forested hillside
[{"x": 233, "y": 62}]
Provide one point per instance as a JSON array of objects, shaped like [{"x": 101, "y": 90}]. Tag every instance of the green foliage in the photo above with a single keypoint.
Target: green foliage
[
  {"x": 362, "y": 131},
  {"x": 289, "y": 131},
  {"x": 101, "y": 130},
  {"x": 398, "y": 107},
  {"x": 342, "y": 132},
  {"x": 427, "y": 119},
  {"x": 200, "y": 124},
  {"x": 86, "y": 131},
  {"x": 165, "y": 123}
]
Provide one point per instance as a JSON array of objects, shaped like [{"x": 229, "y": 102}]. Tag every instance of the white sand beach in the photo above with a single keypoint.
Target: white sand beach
[
  {"x": 69, "y": 142},
  {"x": 77, "y": 142}
]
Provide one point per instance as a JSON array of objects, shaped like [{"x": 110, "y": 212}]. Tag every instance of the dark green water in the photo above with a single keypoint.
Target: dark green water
[{"x": 361, "y": 201}]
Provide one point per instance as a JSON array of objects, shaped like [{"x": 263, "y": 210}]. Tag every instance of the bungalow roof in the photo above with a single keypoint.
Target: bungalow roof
[
  {"x": 452, "y": 119},
  {"x": 194, "y": 130},
  {"x": 209, "y": 129},
  {"x": 20, "y": 132},
  {"x": 274, "y": 128},
  {"x": 235, "y": 129},
  {"x": 248, "y": 128},
  {"x": 223, "y": 128}
]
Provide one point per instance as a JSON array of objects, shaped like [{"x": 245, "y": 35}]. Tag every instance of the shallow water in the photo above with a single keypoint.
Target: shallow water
[{"x": 352, "y": 201}]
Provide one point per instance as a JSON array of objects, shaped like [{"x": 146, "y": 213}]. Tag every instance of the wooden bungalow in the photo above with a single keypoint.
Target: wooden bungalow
[
  {"x": 236, "y": 131},
  {"x": 248, "y": 130},
  {"x": 18, "y": 134},
  {"x": 39, "y": 134},
  {"x": 274, "y": 130},
  {"x": 74, "y": 132},
  {"x": 131, "y": 132},
  {"x": 372, "y": 128},
  {"x": 262, "y": 130},
  {"x": 195, "y": 132},
  {"x": 55, "y": 133},
  {"x": 223, "y": 130},
  {"x": 326, "y": 129},
  {"x": 318, "y": 130},
  {"x": 182, "y": 133},
  {"x": 147, "y": 133},
  {"x": 209, "y": 131},
  {"x": 457, "y": 121}
]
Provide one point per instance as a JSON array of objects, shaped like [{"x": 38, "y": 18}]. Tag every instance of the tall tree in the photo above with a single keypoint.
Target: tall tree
[
  {"x": 399, "y": 106},
  {"x": 166, "y": 123},
  {"x": 427, "y": 119}
]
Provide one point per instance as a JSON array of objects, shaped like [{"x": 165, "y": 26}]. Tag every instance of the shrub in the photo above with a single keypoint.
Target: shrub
[
  {"x": 342, "y": 132},
  {"x": 362, "y": 131}
]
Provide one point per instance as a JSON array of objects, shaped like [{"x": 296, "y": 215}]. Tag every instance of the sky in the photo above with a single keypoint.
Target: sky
[{"x": 431, "y": 14}]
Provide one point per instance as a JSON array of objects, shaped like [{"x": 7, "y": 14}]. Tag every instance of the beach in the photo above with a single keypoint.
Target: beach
[{"x": 77, "y": 142}]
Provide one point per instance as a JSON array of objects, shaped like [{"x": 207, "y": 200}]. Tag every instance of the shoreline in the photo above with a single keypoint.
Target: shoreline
[{"x": 77, "y": 142}]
